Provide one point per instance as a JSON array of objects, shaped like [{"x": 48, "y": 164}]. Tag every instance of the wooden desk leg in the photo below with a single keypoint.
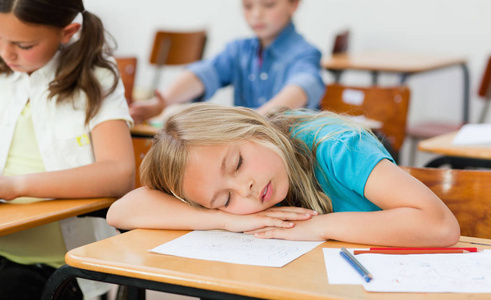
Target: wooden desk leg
[
  {"x": 466, "y": 103},
  {"x": 403, "y": 78},
  {"x": 374, "y": 77},
  {"x": 336, "y": 74}
]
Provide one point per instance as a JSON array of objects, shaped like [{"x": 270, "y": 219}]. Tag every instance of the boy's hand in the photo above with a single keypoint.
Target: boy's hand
[
  {"x": 275, "y": 217},
  {"x": 144, "y": 110}
]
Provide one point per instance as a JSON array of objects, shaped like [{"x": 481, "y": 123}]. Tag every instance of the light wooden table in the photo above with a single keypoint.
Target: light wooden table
[
  {"x": 125, "y": 259},
  {"x": 144, "y": 130},
  {"x": 21, "y": 216},
  {"x": 458, "y": 157},
  {"x": 405, "y": 64},
  {"x": 443, "y": 145}
]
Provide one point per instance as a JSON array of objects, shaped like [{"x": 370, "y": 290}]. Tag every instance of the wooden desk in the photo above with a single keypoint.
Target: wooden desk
[
  {"x": 144, "y": 130},
  {"x": 20, "y": 216},
  {"x": 401, "y": 63},
  {"x": 125, "y": 259},
  {"x": 458, "y": 157},
  {"x": 443, "y": 145}
]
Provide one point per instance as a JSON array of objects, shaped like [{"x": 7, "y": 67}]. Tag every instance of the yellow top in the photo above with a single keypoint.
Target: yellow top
[{"x": 43, "y": 244}]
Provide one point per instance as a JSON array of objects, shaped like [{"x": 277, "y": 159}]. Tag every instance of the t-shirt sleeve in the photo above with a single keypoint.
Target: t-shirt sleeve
[
  {"x": 350, "y": 159},
  {"x": 114, "y": 106}
]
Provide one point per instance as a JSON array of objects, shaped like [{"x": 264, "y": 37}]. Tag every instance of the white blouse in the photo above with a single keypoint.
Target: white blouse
[{"x": 63, "y": 138}]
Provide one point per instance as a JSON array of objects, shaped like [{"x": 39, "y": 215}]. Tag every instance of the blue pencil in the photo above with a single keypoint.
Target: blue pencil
[{"x": 356, "y": 264}]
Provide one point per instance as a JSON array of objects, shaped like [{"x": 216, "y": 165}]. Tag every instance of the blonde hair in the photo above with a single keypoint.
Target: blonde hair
[{"x": 202, "y": 124}]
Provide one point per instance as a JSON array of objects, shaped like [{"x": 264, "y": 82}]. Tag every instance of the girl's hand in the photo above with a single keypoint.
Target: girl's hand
[
  {"x": 307, "y": 230},
  {"x": 274, "y": 217},
  {"x": 8, "y": 188}
]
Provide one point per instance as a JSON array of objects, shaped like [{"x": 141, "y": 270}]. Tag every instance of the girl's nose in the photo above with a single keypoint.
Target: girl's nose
[{"x": 245, "y": 188}]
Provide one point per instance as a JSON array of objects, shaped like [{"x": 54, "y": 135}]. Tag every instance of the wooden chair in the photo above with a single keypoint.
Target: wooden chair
[
  {"x": 341, "y": 42},
  {"x": 466, "y": 193},
  {"x": 127, "y": 71},
  {"x": 340, "y": 46},
  {"x": 176, "y": 48},
  {"x": 141, "y": 146},
  {"x": 485, "y": 91},
  {"x": 427, "y": 130},
  {"x": 388, "y": 105}
]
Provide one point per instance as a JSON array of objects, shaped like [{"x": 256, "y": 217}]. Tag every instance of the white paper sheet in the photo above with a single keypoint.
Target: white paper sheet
[
  {"x": 425, "y": 273},
  {"x": 235, "y": 248},
  {"x": 473, "y": 135}
]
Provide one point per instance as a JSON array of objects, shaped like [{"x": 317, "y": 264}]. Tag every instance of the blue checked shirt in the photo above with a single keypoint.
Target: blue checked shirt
[{"x": 289, "y": 60}]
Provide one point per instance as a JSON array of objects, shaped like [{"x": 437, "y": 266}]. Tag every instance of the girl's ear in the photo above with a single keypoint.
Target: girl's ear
[{"x": 69, "y": 31}]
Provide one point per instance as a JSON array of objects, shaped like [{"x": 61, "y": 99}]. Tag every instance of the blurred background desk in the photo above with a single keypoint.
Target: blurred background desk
[
  {"x": 21, "y": 216},
  {"x": 442, "y": 144},
  {"x": 144, "y": 130},
  {"x": 458, "y": 157},
  {"x": 401, "y": 63}
]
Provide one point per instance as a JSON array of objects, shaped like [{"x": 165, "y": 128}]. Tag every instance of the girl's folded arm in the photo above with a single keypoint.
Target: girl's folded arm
[
  {"x": 412, "y": 214},
  {"x": 147, "y": 208}
]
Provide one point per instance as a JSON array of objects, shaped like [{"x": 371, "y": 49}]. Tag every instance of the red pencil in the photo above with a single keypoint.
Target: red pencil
[
  {"x": 409, "y": 251},
  {"x": 470, "y": 249}
]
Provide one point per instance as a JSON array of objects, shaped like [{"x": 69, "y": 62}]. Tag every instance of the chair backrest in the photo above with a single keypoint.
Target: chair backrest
[
  {"x": 127, "y": 71},
  {"x": 485, "y": 91},
  {"x": 466, "y": 193},
  {"x": 141, "y": 147},
  {"x": 341, "y": 42},
  {"x": 485, "y": 87},
  {"x": 388, "y": 105},
  {"x": 177, "y": 48}
]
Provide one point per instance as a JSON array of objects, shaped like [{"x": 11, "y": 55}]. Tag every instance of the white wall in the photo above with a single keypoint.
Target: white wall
[{"x": 447, "y": 27}]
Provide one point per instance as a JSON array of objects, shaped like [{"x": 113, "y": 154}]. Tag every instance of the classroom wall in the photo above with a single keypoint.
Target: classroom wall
[{"x": 447, "y": 27}]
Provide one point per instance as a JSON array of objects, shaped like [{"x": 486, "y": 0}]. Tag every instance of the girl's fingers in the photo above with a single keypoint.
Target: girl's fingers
[
  {"x": 260, "y": 230},
  {"x": 271, "y": 223},
  {"x": 299, "y": 210},
  {"x": 292, "y": 216}
]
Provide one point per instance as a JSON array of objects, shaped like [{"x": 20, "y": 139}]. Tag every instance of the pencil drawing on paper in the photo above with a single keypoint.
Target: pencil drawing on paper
[{"x": 235, "y": 248}]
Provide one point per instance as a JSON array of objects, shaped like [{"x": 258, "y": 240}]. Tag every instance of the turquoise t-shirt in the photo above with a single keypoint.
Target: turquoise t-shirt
[{"x": 345, "y": 159}]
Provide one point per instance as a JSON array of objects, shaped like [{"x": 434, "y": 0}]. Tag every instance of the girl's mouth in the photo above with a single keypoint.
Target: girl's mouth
[{"x": 267, "y": 192}]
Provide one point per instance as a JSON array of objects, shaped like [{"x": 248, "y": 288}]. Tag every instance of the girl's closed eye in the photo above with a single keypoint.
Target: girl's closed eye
[
  {"x": 227, "y": 203},
  {"x": 239, "y": 163},
  {"x": 25, "y": 47}
]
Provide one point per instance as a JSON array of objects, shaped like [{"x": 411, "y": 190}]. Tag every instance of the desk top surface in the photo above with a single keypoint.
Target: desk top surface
[
  {"x": 144, "y": 130},
  {"x": 303, "y": 278},
  {"x": 442, "y": 144},
  {"x": 390, "y": 62},
  {"x": 20, "y": 216}
]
